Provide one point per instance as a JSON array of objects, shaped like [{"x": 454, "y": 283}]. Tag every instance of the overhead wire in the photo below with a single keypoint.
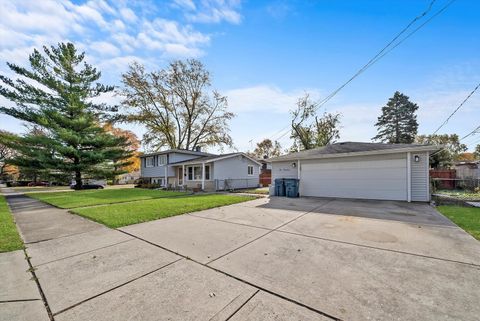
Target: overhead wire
[
  {"x": 456, "y": 109},
  {"x": 384, "y": 51}
]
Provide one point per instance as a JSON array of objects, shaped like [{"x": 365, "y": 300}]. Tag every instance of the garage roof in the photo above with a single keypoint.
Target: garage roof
[{"x": 354, "y": 149}]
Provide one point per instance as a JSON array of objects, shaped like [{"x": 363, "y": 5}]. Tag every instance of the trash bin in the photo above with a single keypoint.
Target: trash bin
[
  {"x": 291, "y": 187},
  {"x": 279, "y": 187}
]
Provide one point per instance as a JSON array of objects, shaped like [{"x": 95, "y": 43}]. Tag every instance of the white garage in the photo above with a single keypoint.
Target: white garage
[{"x": 359, "y": 170}]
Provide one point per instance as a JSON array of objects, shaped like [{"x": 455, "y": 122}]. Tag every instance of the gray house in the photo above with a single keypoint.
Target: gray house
[
  {"x": 195, "y": 169},
  {"x": 360, "y": 170}
]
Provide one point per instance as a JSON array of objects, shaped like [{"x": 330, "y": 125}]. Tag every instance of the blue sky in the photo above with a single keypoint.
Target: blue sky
[{"x": 265, "y": 54}]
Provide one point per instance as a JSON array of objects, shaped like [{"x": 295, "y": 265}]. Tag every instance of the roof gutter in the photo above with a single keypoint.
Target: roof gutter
[{"x": 364, "y": 153}]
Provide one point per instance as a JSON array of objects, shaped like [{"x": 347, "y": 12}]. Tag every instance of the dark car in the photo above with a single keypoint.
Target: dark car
[
  {"x": 31, "y": 184},
  {"x": 88, "y": 186}
]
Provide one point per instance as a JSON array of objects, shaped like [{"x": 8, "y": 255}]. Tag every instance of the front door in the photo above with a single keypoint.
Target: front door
[{"x": 180, "y": 176}]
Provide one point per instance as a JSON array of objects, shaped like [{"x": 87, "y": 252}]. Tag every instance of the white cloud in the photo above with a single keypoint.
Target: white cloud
[
  {"x": 106, "y": 29},
  {"x": 104, "y": 48},
  {"x": 185, "y": 4},
  {"x": 211, "y": 11},
  {"x": 265, "y": 98},
  {"x": 128, "y": 14}
]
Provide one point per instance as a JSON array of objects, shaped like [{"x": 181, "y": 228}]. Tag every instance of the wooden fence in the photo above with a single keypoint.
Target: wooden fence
[
  {"x": 444, "y": 178},
  {"x": 266, "y": 178}
]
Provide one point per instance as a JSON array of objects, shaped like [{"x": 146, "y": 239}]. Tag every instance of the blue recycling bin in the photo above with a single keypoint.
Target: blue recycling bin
[
  {"x": 291, "y": 187},
  {"x": 279, "y": 187}
]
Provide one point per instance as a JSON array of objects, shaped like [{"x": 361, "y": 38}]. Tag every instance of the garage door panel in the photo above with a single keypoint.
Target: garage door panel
[
  {"x": 354, "y": 174},
  {"x": 372, "y": 179}
]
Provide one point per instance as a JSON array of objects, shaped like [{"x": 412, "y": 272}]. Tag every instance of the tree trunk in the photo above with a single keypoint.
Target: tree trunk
[{"x": 78, "y": 180}]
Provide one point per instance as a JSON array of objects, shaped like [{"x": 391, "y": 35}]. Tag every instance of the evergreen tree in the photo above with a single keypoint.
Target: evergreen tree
[
  {"x": 56, "y": 96},
  {"x": 398, "y": 122}
]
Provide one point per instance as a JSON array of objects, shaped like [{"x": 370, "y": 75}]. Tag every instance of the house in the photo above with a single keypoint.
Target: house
[
  {"x": 467, "y": 170},
  {"x": 128, "y": 178},
  {"x": 196, "y": 169},
  {"x": 359, "y": 170}
]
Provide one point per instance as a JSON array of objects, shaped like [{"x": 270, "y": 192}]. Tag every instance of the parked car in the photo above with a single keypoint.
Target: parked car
[
  {"x": 88, "y": 186},
  {"x": 31, "y": 184}
]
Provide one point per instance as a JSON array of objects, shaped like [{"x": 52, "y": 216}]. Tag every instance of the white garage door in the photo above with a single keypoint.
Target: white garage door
[{"x": 356, "y": 177}]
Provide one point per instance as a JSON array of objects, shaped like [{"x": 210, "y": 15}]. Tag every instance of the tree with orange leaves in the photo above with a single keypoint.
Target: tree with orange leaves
[{"x": 132, "y": 163}]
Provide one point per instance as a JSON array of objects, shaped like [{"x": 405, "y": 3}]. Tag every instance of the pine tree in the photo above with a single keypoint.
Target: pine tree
[
  {"x": 56, "y": 97},
  {"x": 398, "y": 122}
]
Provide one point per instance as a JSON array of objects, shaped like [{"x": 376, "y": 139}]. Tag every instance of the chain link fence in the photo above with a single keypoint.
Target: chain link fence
[{"x": 236, "y": 183}]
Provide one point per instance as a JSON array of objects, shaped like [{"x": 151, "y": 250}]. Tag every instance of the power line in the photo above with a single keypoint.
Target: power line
[
  {"x": 456, "y": 109},
  {"x": 473, "y": 132},
  {"x": 384, "y": 51}
]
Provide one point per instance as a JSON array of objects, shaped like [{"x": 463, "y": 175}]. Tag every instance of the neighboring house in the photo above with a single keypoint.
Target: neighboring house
[
  {"x": 195, "y": 169},
  {"x": 128, "y": 178},
  {"x": 359, "y": 170},
  {"x": 470, "y": 169}
]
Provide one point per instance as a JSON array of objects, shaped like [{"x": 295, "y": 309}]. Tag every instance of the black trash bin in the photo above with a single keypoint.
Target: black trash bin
[{"x": 279, "y": 187}]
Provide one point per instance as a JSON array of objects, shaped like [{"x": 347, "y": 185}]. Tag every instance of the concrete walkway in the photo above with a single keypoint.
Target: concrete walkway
[{"x": 268, "y": 259}]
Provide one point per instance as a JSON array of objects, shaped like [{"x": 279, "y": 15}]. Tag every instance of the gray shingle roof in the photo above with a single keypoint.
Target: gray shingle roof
[
  {"x": 180, "y": 151},
  {"x": 203, "y": 159},
  {"x": 211, "y": 158},
  {"x": 350, "y": 147}
]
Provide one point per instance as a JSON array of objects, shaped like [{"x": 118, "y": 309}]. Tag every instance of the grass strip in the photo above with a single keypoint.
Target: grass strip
[
  {"x": 468, "y": 218},
  {"x": 9, "y": 238},
  {"x": 118, "y": 215}
]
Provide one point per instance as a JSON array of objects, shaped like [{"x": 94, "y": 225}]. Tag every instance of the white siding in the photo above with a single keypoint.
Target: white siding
[
  {"x": 159, "y": 171},
  {"x": 284, "y": 170},
  {"x": 420, "y": 178},
  {"x": 235, "y": 170},
  {"x": 368, "y": 177}
]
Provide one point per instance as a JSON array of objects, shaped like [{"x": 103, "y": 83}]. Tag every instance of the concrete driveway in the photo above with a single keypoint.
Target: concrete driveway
[{"x": 268, "y": 259}]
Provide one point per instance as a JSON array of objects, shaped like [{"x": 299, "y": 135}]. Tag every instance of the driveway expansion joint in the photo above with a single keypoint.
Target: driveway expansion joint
[
  {"x": 269, "y": 232},
  {"x": 238, "y": 278},
  {"x": 42, "y": 294},
  {"x": 379, "y": 248},
  {"x": 19, "y": 300},
  {"x": 225, "y": 221},
  {"x": 242, "y": 305},
  {"x": 116, "y": 287},
  {"x": 93, "y": 250}
]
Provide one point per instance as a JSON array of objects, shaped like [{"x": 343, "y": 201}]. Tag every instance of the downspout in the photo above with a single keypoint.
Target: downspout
[
  {"x": 183, "y": 175},
  {"x": 427, "y": 169},
  {"x": 166, "y": 176},
  {"x": 203, "y": 176},
  {"x": 409, "y": 177},
  {"x": 298, "y": 175}
]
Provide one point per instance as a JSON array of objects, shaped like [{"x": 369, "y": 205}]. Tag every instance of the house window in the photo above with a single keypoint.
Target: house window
[
  {"x": 207, "y": 172},
  {"x": 162, "y": 159},
  {"x": 194, "y": 173},
  {"x": 149, "y": 162},
  {"x": 250, "y": 170}
]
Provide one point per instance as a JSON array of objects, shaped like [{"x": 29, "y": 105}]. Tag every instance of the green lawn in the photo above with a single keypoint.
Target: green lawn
[
  {"x": 100, "y": 197},
  {"x": 468, "y": 218},
  {"x": 117, "y": 215},
  {"x": 9, "y": 238}
]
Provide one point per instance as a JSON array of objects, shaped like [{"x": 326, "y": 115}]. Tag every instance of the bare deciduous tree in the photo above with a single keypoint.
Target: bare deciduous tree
[
  {"x": 310, "y": 131},
  {"x": 177, "y": 106}
]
